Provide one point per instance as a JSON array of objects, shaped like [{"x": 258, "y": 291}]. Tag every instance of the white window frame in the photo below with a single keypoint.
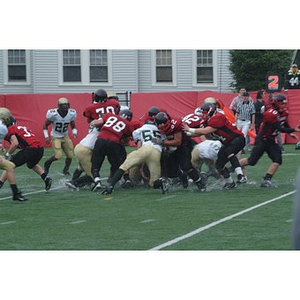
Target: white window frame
[
  {"x": 85, "y": 70},
  {"x": 5, "y": 69},
  {"x": 153, "y": 71},
  {"x": 214, "y": 84}
]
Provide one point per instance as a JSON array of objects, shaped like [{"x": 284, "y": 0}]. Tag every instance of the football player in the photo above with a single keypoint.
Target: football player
[
  {"x": 8, "y": 166},
  {"x": 217, "y": 125},
  {"x": 177, "y": 160},
  {"x": 102, "y": 104},
  {"x": 148, "y": 139},
  {"x": 274, "y": 121},
  {"x": 83, "y": 152},
  {"x": 115, "y": 131},
  {"x": 60, "y": 118},
  {"x": 30, "y": 154}
]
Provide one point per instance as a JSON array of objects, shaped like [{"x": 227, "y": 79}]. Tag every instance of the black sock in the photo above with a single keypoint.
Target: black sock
[
  {"x": 14, "y": 188},
  {"x": 118, "y": 175},
  {"x": 44, "y": 175},
  {"x": 268, "y": 176}
]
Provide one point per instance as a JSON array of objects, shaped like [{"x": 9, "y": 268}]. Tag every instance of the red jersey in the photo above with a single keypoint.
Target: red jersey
[
  {"x": 226, "y": 130},
  {"x": 97, "y": 110},
  {"x": 176, "y": 126},
  {"x": 193, "y": 120},
  {"x": 271, "y": 117},
  {"x": 136, "y": 124},
  {"x": 25, "y": 136},
  {"x": 115, "y": 128}
]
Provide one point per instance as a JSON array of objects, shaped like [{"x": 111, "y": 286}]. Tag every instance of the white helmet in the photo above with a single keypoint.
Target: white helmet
[
  {"x": 5, "y": 115},
  {"x": 210, "y": 100},
  {"x": 63, "y": 100},
  {"x": 63, "y": 103}
]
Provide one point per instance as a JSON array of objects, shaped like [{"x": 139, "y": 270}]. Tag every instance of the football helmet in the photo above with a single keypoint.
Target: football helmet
[
  {"x": 210, "y": 100},
  {"x": 279, "y": 102},
  {"x": 198, "y": 112},
  {"x": 163, "y": 121},
  {"x": 5, "y": 115},
  {"x": 153, "y": 111},
  {"x": 126, "y": 114},
  {"x": 297, "y": 147},
  {"x": 208, "y": 109},
  {"x": 99, "y": 96},
  {"x": 63, "y": 103},
  {"x": 111, "y": 95},
  {"x": 12, "y": 121}
]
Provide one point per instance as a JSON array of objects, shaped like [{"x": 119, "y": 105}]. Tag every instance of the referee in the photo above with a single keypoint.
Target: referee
[{"x": 245, "y": 116}]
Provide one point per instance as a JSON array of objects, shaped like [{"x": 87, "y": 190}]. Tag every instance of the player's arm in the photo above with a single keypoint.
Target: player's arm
[
  {"x": 175, "y": 142},
  {"x": 74, "y": 129},
  {"x": 198, "y": 131},
  {"x": 14, "y": 143},
  {"x": 97, "y": 123},
  {"x": 288, "y": 129},
  {"x": 45, "y": 130}
]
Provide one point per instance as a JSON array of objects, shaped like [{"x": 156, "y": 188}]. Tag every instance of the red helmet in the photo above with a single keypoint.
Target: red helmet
[
  {"x": 163, "y": 121},
  {"x": 279, "y": 102}
]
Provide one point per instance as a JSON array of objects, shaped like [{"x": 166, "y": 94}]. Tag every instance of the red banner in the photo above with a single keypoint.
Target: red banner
[{"x": 30, "y": 109}]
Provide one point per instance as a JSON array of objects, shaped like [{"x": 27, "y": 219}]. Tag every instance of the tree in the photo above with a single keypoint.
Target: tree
[{"x": 250, "y": 67}]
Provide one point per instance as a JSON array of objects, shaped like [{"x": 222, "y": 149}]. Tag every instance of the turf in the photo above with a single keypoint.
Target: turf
[{"x": 142, "y": 219}]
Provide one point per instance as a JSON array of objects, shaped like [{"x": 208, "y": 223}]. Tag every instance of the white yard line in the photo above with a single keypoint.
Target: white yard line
[
  {"x": 192, "y": 233},
  {"x": 42, "y": 191}
]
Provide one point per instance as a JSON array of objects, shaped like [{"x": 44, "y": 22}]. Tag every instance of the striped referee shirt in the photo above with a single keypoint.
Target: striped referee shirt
[{"x": 245, "y": 110}]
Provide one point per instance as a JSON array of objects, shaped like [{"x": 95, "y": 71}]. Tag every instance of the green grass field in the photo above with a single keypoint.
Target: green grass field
[{"x": 145, "y": 219}]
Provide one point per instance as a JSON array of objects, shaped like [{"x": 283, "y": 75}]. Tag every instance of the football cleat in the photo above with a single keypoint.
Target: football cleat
[
  {"x": 48, "y": 183},
  {"x": 164, "y": 185},
  {"x": 97, "y": 186},
  {"x": 66, "y": 172},
  {"x": 267, "y": 184},
  {"x": 70, "y": 185},
  {"x": 201, "y": 184},
  {"x": 19, "y": 197},
  {"x": 229, "y": 186},
  {"x": 241, "y": 179},
  {"x": 127, "y": 184},
  {"x": 108, "y": 190}
]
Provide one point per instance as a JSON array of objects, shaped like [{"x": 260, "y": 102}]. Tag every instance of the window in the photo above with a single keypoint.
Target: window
[
  {"x": 98, "y": 66},
  {"x": 85, "y": 67},
  {"x": 205, "y": 72},
  {"x": 16, "y": 67},
  {"x": 164, "y": 66},
  {"x": 71, "y": 66},
  {"x": 205, "y": 66}
]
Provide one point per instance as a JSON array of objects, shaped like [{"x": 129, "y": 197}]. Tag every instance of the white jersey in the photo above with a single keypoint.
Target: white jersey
[
  {"x": 60, "y": 125},
  {"x": 3, "y": 131},
  {"x": 147, "y": 135},
  {"x": 209, "y": 149},
  {"x": 89, "y": 140}
]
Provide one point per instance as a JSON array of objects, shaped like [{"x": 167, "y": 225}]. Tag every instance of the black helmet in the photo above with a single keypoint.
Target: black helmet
[
  {"x": 126, "y": 114},
  {"x": 209, "y": 108},
  {"x": 163, "y": 121},
  {"x": 279, "y": 101},
  {"x": 99, "y": 96},
  {"x": 153, "y": 111}
]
